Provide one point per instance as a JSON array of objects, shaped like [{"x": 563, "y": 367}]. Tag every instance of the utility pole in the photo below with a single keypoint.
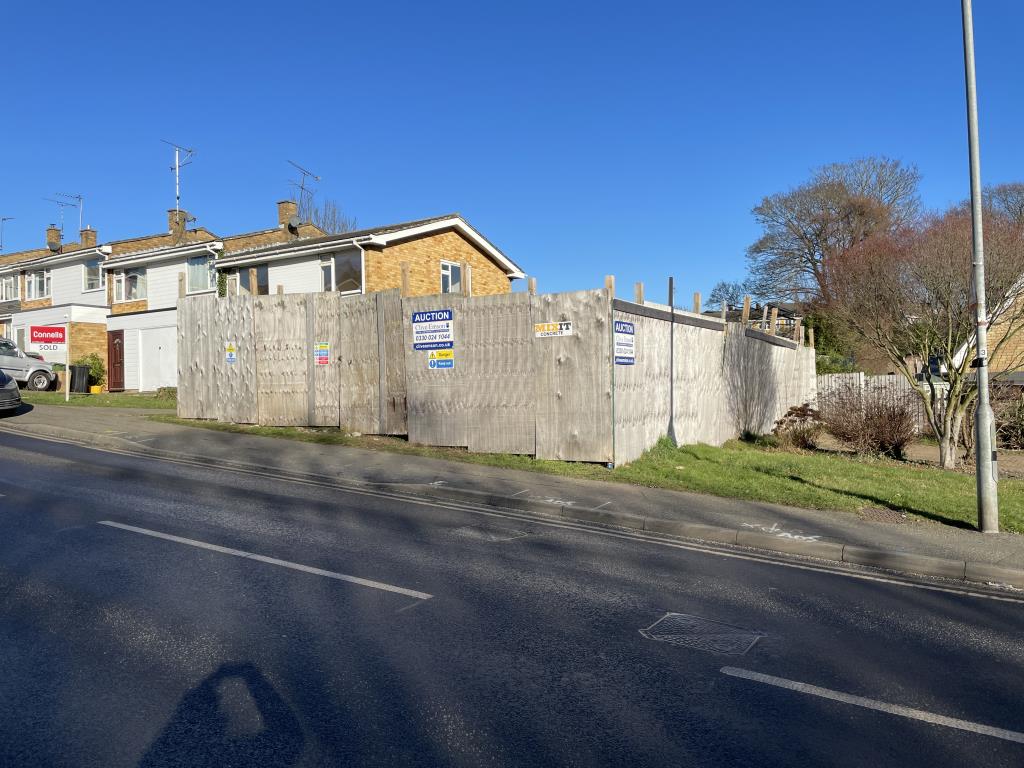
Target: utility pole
[
  {"x": 985, "y": 454},
  {"x": 3, "y": 219}
]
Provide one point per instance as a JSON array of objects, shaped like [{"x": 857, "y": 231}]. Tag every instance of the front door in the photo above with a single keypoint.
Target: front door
[{"x": 115, "y": 358}]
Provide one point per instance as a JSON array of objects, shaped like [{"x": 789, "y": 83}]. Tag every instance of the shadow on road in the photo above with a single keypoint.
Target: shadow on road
[
  {"x": 233, "y": 717},
  {"x": 19, "y": 411}
]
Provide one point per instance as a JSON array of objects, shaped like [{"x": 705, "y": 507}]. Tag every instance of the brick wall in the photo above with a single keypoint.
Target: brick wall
[
  {"x": 1011, "y": 356},
  {"x": 124, "y": 307},
  {"x": 87, "y": 338},
  {"x": 425, "y": 254}
]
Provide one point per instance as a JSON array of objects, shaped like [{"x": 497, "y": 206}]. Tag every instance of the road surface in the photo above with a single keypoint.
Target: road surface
[{"x": 155, "y": 613}]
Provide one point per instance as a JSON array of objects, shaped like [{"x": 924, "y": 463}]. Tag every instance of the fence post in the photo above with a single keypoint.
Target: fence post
[
  {"x": 638, "y": 293},
  {"x": 671, "y": 360},
  {"x": 798, "y": 332},
  {"x": 774, "y": 320},
  {"x": 745, "y": 318},
  {"x": 609, "y": 284},
  {"x": 531, "y": 285},
  {"x": 181, "y": 285},
  {"x": 696, "y": 302},
  {"x": 280, "y": 290},
  {"x": 763, "y": 325},
  {"x": 405, "y": 279},
  {"x": 466, "y": 279},
  {"x": 810, "y": 336}
]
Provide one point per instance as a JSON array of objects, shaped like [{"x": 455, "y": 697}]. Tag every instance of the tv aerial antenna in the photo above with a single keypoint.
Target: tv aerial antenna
[
  {"x": 62, "y": 204},
  {"x": 301, "y": 184},
  {"x": 3, "y": 219},
  {"x": 80, "y": 202},
  {"x": 182, "y": 157}
]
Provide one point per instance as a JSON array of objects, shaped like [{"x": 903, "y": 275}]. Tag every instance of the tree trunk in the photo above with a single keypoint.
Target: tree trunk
[{"x": 947, "y": 451}]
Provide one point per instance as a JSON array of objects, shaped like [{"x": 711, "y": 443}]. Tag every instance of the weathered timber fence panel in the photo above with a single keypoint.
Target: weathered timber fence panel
[
  {"x": 573, "y": 387},
  {"x": 845, "y": 390},
  {"x": 497, "y": 360},
  {"x": 282, "y": 348},
  {"x": 191, "y": 361},
  {"x": 391, "y": 353},
  {"x": 642, "y": 389},
  {"x": 359, "y": 364},
  {"x": 233, "y": 343},
  {"x": 437, "y": 407},
  {"x": 703, "y": 411},
  {"x": 323, "y": 347}
]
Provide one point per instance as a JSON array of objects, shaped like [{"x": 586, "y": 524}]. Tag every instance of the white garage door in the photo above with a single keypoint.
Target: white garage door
[{"x": 158, "y": 358}]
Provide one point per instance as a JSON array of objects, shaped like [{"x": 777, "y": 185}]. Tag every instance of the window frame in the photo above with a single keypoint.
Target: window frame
[
  {"x": 211, "y": 272},
  {"x": 331, "y": 260},
  {"x": 15, "y": 282},
  {"x": 30, "y": 283},
  {"x": 85, "y": 276},
  {"x": 451, "y": 265},
  {"x": 121, "y": 285}
]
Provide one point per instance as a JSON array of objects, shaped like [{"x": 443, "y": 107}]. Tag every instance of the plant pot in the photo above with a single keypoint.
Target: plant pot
[{"x": 95, "y": 389}]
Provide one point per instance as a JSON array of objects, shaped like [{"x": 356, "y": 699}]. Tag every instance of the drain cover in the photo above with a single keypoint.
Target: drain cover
[
  {"x": 488, "y": 533},
  {"x": 702, "y": 634}
]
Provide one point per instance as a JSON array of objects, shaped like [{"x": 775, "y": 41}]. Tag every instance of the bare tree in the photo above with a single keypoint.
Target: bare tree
[
  {"x": 1006, "y": 200},
  {"x": 808, "y": 229},
  {"x": 327, "y": 215},
  {"x": 729, "y": 293},
  {"x": 908, "y": 295}
]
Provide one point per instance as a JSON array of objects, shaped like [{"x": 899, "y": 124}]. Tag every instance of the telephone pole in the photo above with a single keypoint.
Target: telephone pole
[{"x": 984, "y": 443}]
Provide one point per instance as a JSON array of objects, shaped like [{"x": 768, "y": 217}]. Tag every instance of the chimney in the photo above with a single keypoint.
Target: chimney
[
  {"x": 285, "y": 210},
  {"x": 177, "y": 220},
  {"x": 87, "y": 237},
  {"x": 53, "y": 238}
]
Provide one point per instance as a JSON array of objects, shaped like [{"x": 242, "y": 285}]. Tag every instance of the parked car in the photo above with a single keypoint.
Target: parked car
[
  {"x": 10, "y": 395},
  {"x": 27, "y": 371}
]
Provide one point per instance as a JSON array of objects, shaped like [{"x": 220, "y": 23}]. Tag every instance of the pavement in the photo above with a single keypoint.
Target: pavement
[
  {"x": 893, "y": 542},
  {"x": 159, "y": 613}
]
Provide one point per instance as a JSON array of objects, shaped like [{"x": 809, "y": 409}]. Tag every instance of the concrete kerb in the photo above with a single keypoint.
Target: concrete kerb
[{"x": 904, "y": 562}]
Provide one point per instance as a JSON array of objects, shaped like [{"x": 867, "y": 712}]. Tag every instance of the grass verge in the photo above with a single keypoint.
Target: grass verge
[
  {"x": 813, "y": 480},
  {"x": 104, "y": 400}
]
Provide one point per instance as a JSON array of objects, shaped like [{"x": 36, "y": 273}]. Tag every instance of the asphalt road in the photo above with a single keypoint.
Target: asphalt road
[{"x": 158, "y": 614}]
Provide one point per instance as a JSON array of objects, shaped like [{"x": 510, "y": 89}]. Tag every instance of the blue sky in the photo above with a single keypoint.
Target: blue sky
[{"x": 582, "y": 138}]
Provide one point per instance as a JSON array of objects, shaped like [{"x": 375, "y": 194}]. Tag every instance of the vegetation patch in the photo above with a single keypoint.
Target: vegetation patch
[{"x": 102, "y": 400}]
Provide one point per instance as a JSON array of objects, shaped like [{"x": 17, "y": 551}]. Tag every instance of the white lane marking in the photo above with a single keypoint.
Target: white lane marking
[
  {"x": 690, "y": 545},
  {"x": 270, "y": 560},
  {"x": 879, "y": 706},
  {"x": 603, "y": 505}
]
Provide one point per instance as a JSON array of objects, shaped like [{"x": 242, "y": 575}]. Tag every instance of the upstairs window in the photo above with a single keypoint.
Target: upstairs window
[
  {"x": 9, "y": 288},
  {"x": 202, "y": 276},
  {"x": 262, "y": 279},
  {"x": 342, "y": 272},
  {"x": 451, "y": 277},
  {"x": 93, "y": 278},
  {"x": 37, "y": 284},
  {"x": 130, "y": 285}
]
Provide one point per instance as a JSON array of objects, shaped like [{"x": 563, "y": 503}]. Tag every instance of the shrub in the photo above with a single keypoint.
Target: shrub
[
  {"x": 167, "y": 393},
  {"x": 872, "y": 421},
  {"x": 799, "y": 428},
  {"x": 97, "y": 371}
]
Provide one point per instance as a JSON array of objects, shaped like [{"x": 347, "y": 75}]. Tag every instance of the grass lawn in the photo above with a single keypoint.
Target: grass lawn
[
  {"x": 104, "y": 400},
  {"x": 814, "y": 480}
]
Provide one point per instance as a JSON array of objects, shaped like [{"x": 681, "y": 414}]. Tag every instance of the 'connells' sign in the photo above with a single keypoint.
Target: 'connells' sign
[{"x": 47, "y": 334}]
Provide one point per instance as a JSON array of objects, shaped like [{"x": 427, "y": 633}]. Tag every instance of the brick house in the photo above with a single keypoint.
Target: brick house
[
  {"x": 61, "y": 285},
  {"x": 429, "y": 256},
  {"x": 147, "y": 276}
]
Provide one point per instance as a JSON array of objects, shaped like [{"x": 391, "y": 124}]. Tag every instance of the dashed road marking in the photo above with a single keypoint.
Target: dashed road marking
[
  {"x": 270, "y": 560},
  {"x": 878, "y": 706}
]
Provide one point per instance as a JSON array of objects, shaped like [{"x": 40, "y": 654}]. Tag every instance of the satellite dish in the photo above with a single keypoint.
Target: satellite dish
[
  {"x": 54, "y": 245},
  {"x": 293, "y": 222}
]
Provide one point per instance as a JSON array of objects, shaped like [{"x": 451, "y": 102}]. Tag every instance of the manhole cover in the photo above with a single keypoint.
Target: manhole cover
[
  {"x": 486, "y": 533},
  {"x": 702, "y": 634}
]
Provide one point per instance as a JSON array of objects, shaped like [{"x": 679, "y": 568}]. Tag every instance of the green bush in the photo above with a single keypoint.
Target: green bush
[{"x": 97, "y": 371}]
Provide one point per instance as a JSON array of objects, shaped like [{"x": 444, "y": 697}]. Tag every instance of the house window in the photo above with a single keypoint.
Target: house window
[
  {"x": 262, "y": 280},
  {"x": 130, "y": 285},
  {"x": 342, "y": 272},
  {"x": 202, "y": 276},
  {"x": 37, "y": 284},
  {"x": 451, "y": 277},
  {"x": 9, "y": 288},
  {"x": 93, "y": 278}
]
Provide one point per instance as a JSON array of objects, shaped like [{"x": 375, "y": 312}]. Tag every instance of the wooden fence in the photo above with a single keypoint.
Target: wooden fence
[{"x": 575, "y": 376}]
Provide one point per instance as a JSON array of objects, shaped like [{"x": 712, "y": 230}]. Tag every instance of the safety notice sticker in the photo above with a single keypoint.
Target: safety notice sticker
[
  {"x": 230, "y": 352},
  {"x": 322, "y": 353},
  {"x": 433, "y": 329},
  {"x": 441, "y": 358},
  {"x": 625, "y": 343},
  {"x": 547, "y": 330}
]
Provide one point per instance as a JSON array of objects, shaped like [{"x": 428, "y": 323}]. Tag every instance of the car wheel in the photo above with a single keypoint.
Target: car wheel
[{"x": 39, "y": 382}]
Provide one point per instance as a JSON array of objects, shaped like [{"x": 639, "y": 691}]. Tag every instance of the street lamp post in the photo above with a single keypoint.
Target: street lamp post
[{"x": 984, "y": 443}]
